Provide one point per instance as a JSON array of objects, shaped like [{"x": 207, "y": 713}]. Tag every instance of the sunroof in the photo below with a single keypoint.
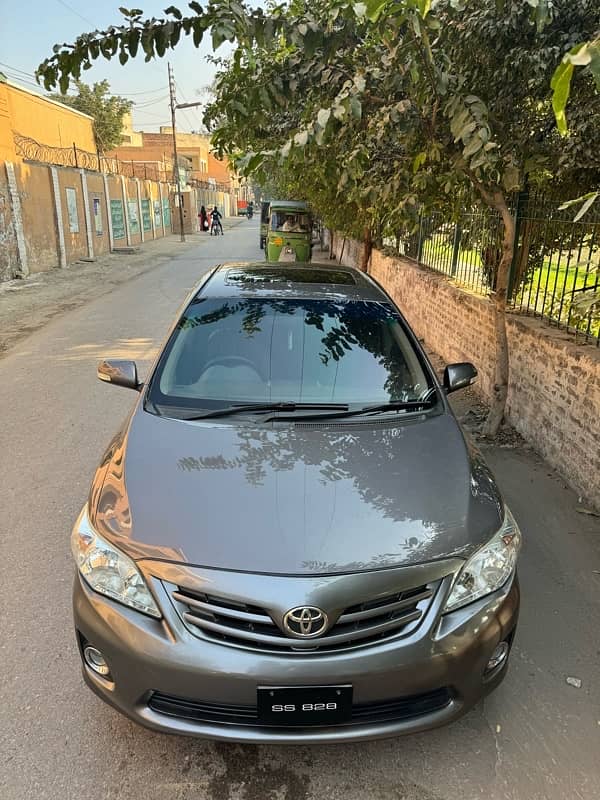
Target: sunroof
[{"x": 289, "y": 275}]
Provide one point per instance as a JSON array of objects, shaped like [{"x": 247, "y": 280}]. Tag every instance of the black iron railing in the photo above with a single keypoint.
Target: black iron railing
[{"x": 555, "y": 273}]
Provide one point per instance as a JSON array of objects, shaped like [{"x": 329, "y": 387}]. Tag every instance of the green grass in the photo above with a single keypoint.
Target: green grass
[{"x": 554, "y": 278}]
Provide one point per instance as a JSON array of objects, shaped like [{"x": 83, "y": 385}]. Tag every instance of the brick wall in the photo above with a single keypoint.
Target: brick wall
[{"x": 554, "y": 385}]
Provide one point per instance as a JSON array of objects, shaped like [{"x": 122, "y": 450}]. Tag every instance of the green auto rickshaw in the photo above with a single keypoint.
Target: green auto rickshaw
[
  {"x": 289, "y": 237},
  {"x": 264, "y": 222}
]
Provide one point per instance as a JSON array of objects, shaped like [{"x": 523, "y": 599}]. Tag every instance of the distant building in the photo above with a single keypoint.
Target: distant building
[{"x": 215, "y": 180}]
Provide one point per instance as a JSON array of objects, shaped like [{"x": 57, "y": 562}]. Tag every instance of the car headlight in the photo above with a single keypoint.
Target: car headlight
[
  {"x": 109, "y": 571},
  {"x": 489, "y": 568}
]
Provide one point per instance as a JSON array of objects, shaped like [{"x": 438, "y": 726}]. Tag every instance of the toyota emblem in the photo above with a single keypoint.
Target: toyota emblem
[{"x": 305, "y": 622}]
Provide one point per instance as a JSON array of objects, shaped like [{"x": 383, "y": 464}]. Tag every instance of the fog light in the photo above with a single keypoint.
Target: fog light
[
  {"x": 499, "y": 656},
  {"x": 95, "y": 660}
]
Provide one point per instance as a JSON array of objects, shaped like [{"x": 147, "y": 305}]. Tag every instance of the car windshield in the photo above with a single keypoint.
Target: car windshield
[
  {"x": 250, "y": 350},
  {"x": 290, "y": 221}
]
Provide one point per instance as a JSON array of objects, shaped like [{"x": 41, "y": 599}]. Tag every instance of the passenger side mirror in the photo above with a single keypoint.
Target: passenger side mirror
[
  {"x": 121, "y": 373},
  {"x": 458, "y": 376}
]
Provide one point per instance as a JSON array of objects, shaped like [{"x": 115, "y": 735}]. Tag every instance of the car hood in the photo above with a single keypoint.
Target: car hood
[{"x": 296, "y": 499}]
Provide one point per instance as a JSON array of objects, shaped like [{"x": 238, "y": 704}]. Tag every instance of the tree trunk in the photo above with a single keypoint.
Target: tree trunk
[
  {"x": 367, "y": 249},
  {"x": 496, "y": 200},
  {"x": 523, "y": 255}
]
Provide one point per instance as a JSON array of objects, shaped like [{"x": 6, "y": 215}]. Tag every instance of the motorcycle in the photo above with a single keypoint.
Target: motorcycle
[
  {"x": 215, "y": 226},
  {"x": 250, "y": 212}
]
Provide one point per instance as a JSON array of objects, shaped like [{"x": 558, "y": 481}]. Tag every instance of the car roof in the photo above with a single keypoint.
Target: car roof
[{"x": 264, "y": 279}]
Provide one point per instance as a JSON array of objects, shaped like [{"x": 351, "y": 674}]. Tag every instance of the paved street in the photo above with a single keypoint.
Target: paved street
[{"x": 536, "y": 738}]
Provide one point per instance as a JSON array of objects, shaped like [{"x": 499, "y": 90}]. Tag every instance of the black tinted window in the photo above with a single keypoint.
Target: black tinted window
[{"x": 254, "y": 350}]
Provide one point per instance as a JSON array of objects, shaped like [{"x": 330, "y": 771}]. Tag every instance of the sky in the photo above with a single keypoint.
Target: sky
[{"x": 33, "y": 27}]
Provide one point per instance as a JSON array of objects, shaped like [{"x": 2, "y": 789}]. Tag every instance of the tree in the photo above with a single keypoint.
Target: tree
[
  {"x": 106, "y": 109},
  {"x": 396, "y": 107},
  {"x": 375, "y": 109}
]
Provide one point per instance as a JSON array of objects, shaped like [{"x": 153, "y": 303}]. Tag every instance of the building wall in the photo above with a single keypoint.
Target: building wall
[
  {"x": 47, "y": 122},
  {"x": 9, "y": 257},
  {"x": 98, "y": 213},
  {"x": 37, "y": 210},
  {"x": 133, "y": 211},
  {"x": 130, "y": 136},
  {"x": 6, "y": 137},
  {"x": 219, "y": 170},
  {"x": 554, "y": 386},
  {"x": 43, "y": 219},
  {"x": 73, "y": 214}
]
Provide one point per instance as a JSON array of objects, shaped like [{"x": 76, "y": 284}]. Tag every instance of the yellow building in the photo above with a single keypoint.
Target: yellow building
[{"x": 23, "y": 113}]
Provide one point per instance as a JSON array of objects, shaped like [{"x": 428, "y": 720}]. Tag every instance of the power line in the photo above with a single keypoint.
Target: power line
[
  {"x": 74, "y": 11},
  {"x": 199, "y": 123},
  {"x": 151, "y": 102},
  {"x": 135, "y": 94},
  {"x": 16, "y": 69}
]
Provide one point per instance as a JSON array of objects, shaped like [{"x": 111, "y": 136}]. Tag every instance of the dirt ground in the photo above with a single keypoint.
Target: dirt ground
[{"x": 28, "y": 304}]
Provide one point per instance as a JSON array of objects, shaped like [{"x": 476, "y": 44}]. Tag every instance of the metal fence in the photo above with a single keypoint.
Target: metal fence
[
  {"x": 555, "y": 274},
  {"x": 74, "y": 156}
]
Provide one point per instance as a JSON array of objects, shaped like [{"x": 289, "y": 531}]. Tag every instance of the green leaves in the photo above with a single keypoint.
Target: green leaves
[
  {"x": 586, "y": 199},
  {"x": 561, "y": 88},
  {"x": 374, "y": 9},
  {"x": 106, "y": 109},
  {"x": 419, "y": 160},
  {"x": 586, "y": 54},
  {"x": 323, "y": 117}
]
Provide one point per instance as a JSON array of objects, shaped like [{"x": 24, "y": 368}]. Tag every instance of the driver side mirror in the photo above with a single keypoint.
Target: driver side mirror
[
  {"x": 459, "y": 376},
  {"x": 121, "y": 373}
]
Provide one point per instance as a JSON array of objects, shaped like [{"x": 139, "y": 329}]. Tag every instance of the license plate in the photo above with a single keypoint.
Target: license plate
[{"x": 304, "y": 705}]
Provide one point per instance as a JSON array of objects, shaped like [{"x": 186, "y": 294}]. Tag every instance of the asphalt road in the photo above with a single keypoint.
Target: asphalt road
[{"x": 536, "y": 738}]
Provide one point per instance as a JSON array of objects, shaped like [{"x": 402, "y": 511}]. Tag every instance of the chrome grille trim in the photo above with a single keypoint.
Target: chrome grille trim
[
  {"x": 236, "y": 623},
  {"x": 378, "y": 610},
  {"x": 224, "y": 610},
  {"x": 301, "y": 644}
]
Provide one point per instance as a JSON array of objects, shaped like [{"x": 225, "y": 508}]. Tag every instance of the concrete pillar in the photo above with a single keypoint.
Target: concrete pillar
[
  {"x": 17, "y": 215},
  {"x": 126, "y": 210},
  {"x": 62, "y": 250},
  {"x": 162, "y": 209},
  {"x": 86, "y": 213},
  {"x": 139, "y": 202},
  {"x": 152, "y": 221},
  {"x": 111, "y": 238}
]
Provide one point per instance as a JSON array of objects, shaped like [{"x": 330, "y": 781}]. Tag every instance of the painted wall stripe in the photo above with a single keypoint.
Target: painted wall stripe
[
  {"x": 86, "y": 212},
  {"x": 62, "y": 251}
]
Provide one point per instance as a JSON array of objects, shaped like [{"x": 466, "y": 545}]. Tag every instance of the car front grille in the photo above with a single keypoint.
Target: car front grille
[
  {"x": 371, "y": 621},
  {"x": 364, "y": 714}
]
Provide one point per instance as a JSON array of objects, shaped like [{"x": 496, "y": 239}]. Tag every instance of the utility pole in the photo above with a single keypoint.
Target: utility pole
[{"x": 176, "y": 166}]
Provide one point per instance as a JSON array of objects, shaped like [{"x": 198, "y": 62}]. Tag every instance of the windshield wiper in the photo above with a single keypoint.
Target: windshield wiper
[
  {"x": 394, "y": 405},
  {"x": 259, "y": 407}
]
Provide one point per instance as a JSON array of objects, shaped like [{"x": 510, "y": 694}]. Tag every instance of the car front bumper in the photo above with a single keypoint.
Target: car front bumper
[{"x": 398, "y": 684}]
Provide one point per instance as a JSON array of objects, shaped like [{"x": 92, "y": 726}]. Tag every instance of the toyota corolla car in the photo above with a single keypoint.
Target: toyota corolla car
[{"x": 289, "y": 539}]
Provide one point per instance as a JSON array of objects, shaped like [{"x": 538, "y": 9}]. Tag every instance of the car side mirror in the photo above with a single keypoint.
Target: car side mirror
[
  {"x": 121, "y": 373},
  {"x": 458, "y": 376}
]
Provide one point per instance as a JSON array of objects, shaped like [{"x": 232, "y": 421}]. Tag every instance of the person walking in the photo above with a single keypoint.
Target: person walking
[{"x": 203, "y": 219}]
